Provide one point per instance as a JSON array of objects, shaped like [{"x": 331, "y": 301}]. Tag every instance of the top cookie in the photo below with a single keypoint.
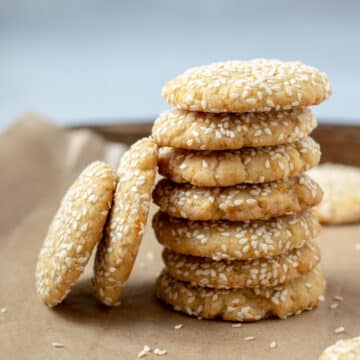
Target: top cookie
[
  {"x": 192, "y": 130},
  {"x": 248, "y": 86},
  {"x": 118, "y": 249},
  {"x": 76, "y": 229}
]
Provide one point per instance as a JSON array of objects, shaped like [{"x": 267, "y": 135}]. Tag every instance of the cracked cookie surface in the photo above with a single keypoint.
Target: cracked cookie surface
[
  {"x": 242, "y": 304},
  {"x": 225, "y": 274},
  {"x": 231, "y": 131},
  {"x": 237, "y": 203},
  {"x": 236, "y": 240},
  {"x": 248, "y": 165}
]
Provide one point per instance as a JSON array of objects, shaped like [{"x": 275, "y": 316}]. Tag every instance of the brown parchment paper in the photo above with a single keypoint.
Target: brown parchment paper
[{"x": 37, "y": 163}]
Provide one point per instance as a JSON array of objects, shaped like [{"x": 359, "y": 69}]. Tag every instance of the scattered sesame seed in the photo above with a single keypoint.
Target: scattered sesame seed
[
  {"x": 357, "y": 247},
  {"x": 321, "y": 298},
  {"x": 57, "y": 345},
  {"x": 249, "y": 338},
  {"x": 178, "y": 326},
  {"x": 273, "y": 345},
  {"x": 339, "y": 330},
  {"x": 144, "y": 351},
  {"x": 334, "y": 305},
  {"x": 338, "y": 298},
  {"x": 160, "y": 352},
  {"x": 236, "y": 325},
  {"x": 3, "y": 310}
]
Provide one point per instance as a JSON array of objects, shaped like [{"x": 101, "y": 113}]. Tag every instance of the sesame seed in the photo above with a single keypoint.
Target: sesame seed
[
  {"x": 3, "y": 310},
  {"x": 357, "y": 247},
  {"x": 334, "y": 305},
  {"x": 144, "y": 351},
  {"x": 339, "y": 330},
  {"x": 273, "y": 345},
  {"x": 160, "y": 352},
  {"x": 338, "y": 298},
  {"x": 249, "y": 338},
  {"x": 178, "y": 326},
  {"x": 57, "y": 345},
  {"x": 236, "y": 325}
]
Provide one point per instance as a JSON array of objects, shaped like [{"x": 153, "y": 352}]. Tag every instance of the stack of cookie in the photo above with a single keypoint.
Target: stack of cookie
[{"x": 235, "y": 207}]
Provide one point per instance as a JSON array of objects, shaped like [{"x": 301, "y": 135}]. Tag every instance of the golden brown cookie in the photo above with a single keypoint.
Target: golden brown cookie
[
  {"x": 230, "y": 131},
  {"x": 242, "y": 304},
  {"x": 348, "y": 349},
  {"x": 237, "y": 203},
  {"x": 341, "y": 186},
  {"x": 247, "y": 86},
  {"x": 117, "y": 251},
  {"x": 76, "y": 229},
  {"x": 225, "y": 274},
  {"x": 248, "y": 165},
  {"x": 236, "y": 240}
]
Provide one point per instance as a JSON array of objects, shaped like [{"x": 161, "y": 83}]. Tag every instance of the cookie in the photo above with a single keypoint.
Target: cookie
[
  {"x": 236, "y": 240},
  {"x": 341, "y": 185},
  {"x": 231, "y": 131},
  {"x": 224, "y": 274},
  {"x": 248, "y": 165},
  {"x": 237, "y": 203},
  {"x": 247, "y": 86},
  {"x": 118, "y": 249},
  {"x": 242, "y": 304},
  {"x": 348, "y": 349},
  {"x": 75, "y": 230}
]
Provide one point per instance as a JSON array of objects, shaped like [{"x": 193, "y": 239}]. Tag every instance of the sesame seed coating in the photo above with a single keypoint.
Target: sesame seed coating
[
  {"x": 341, "y": 185},
  {"x": 225, "y": 274},
  {"x": 242, "y": 304},
  {"x": 236, "y": 240},
  {"x": 118, "y": 249},
  {"x": 75, "y": 230},
  {"x": 247, "y": 165},
  {"x": 348, "y": 349},
  {"x": 237, "y": 203},
  {"x": 231, "y": 131},
  {"x": 247, "y": 86}
]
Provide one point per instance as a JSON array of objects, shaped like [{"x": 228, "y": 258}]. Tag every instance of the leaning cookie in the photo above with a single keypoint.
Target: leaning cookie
[
  {"x": 248, "y": 165},
  {"x": 237, "y": 203},
  {"x": 225, "y": 274},
  {"x": 236, "y": 240},
  {"x": 118, "y": 249},
  {"x": 76, "y": 229},
  {"x": 248, "y": 86},
  {"x": 348, "y": 349},
  {"x": 230, "y": 131},
  {"x": 242, "y": 304},
  {"x": 341, "y": 186}
]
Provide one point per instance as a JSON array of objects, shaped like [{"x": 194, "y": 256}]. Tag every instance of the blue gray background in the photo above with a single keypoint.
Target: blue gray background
[{"x": 105, "y": 61}]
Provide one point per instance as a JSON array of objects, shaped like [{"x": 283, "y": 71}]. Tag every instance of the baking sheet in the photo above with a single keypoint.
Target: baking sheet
[{"x": 37, "y": 163}]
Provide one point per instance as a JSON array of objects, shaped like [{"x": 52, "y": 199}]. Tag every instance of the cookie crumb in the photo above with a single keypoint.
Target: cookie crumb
[
  {"x": 160, "y": 352},
  {"x": 57, "y": 345},
  {"x": 321, "y": 298},
  {"x": 339, "y": 330},
  {"x": 273, "y": 345},
  {"x": 144, "y": 351},
  {"x": 178, "y": 326},
  {"x": 249, "y": 338},
  {"x": 236, "y": 325}
]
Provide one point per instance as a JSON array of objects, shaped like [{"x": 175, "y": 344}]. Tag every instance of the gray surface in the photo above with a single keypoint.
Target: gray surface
[{"x": 81, "y": 60}]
